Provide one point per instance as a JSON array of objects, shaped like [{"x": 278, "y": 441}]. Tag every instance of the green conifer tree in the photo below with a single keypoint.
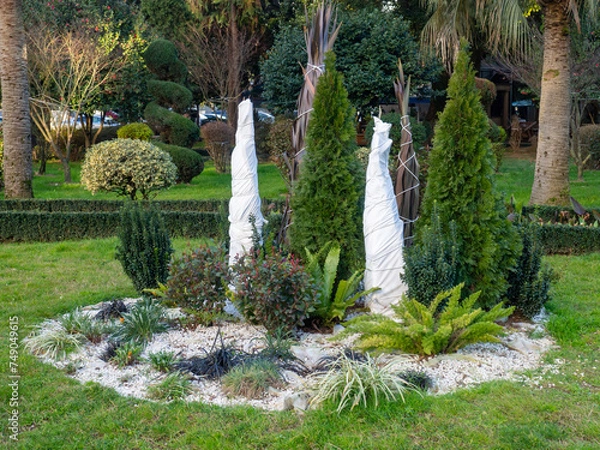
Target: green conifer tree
[
  {"x": 461, "y": 183},
  {"x": 326, "y": 201}
]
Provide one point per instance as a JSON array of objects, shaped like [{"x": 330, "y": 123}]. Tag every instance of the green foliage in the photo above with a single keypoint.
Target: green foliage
[
  {"x": 174, "y": 128},
  {"x": 145, "y": 319},
  {"x": 144, "y": 248},
  {"x": 78, "y": 322},
  {"x": 278, "y": 345},
  {"x": 127, "y": 354},
  {"x": 590, "y": 143},
  {"x": 136, "y": 130},
  {"x": 175, "y": 386},
  {"x": 197, "y": 279},
  {"x": 431, "y": 265},
  {"x": 461, "y": 184},
  {"x": 162, "y": 361},
  {"x": 127, "y": 166},
  {"x": 326, "y": 200},
  {"x": 252, "y": 379},
  {"x": 274, "y": 290},
  {"x": 163, "y": 61},
  {"x": 351, "y": 383},
  {"x": 51, "y": 340},
  {"x": 425, "y": 331},
  {"x": 529, "y": 281},
  {"x": 189, "y": 163},
  {"x": 333, "y": 297},
  {"x": 171, "y": 95}
]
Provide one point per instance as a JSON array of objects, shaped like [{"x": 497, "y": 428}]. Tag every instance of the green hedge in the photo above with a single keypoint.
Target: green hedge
[
  {"x": 85, "y": 205},
  {"x": 41, "y": 226},
  {"x": 569, "y": 239}
]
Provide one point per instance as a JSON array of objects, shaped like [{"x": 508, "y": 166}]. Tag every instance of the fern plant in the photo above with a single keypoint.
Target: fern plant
[
  {"x": 424, "y": 331},
  {"x": 334, "y": 298}
]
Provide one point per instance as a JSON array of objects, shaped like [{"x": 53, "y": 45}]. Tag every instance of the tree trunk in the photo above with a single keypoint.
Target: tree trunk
[
  {"x": 551, "y": 180},
  {"x": 66, "y": 169},
  {"x": 18, "y": 166},
  {"x": 233, "y": 75}
]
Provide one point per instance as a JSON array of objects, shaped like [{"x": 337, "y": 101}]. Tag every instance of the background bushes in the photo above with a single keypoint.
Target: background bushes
[
  {"x": 135, "y": 130},
  {"x": 219, "y": 140},
  {"x": 590, "y": 144},
  {"x": 189, "y": 163}
]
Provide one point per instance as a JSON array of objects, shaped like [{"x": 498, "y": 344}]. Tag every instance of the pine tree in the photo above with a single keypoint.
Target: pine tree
[
  {"x": 326, "y": 201},
  {"x": 461, "y": 183}
]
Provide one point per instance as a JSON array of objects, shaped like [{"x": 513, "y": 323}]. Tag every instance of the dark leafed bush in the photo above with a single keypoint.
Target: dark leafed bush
[
  {"x": 197, "y": 279},
  {"x": 170, "y": 95},
  {"x": 219, "y": 138},
  {"x": 136, "y": 130},
  {"x": 529, "y": 281},
  {"x": 189, "y": 163},
  {"x": 274, "y": 291},
  {"x": 144, "y": 249},
  {"x": 175, "y": 129},
  {"x": 162, "y": 60}
]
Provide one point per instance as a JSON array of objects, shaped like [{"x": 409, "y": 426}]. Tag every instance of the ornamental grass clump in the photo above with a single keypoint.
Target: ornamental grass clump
[
  {"x": 51, "y": 340},
  {"x": 127, "y": 167},
  {"x": 351, "y": 383},
  {"x": 145, "y": 319},
  {"x": 430, "y": 330},
  {"x": 78, "y": 322},
  {"x": 175, "y": 386},
  {"x": 252, "y": 379}
]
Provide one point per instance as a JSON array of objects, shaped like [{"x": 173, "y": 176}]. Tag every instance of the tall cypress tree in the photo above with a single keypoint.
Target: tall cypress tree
[
  {"x": 461, "y": 183},
  {"x": 326, "y": 201}
]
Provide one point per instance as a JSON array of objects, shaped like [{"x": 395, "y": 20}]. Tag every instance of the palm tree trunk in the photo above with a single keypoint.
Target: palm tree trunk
[
  {"x": 18, "y": 171},
  {"x": 551, "y": 180}
]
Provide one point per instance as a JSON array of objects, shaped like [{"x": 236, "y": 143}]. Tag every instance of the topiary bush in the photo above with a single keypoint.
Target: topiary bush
[
  {"x": 197, "y": 279},
  {"x": 136, "y": 130},
  {"x": 274, "y": 290},
  {"x": 127, "y": 166},
  {"x": 326, "y": 200},
  {"x": 219, "y": 141},
  {"x": 163, "y": 61},
  {"x": 173, "y": 128},
  {"x": 144, "y": 249},
  {"x": 189, "y": 163},
  {"x": 170, "y": 95},
  {"x": 460, "y": 186}
]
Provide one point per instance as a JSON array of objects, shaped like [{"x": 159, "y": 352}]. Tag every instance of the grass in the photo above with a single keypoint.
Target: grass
[
  {"x": 42, "y": 280},
  {"x": 209, "y": 184}
]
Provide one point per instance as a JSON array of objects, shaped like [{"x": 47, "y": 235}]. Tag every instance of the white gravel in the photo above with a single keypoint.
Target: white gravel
[{"x": 522, "y": 349}]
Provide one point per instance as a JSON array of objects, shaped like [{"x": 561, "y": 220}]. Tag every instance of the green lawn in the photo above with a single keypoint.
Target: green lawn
[
  {"x": 209, "y": 184},
  {"x": 42, "y": 280}
]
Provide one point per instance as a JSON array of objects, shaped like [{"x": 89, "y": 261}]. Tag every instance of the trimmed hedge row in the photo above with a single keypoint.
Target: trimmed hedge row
[
  {"x": 41, "y": 226},
  {"x": 84, "y": 205},
  {"x": 568, "y": 239}
]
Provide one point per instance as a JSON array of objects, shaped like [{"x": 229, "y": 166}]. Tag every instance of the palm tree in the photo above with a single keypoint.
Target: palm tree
[
  {"x": 18, "y": 171},
  {"x": 505, "y": 28}
]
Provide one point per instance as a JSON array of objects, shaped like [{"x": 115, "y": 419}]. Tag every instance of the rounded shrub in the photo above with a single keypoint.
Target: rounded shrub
[
  {"x": 219, "y": 138},
  {"x": 127, "y": 166},
  {"x": 189, "y": 163},
  {"x": 162, "y": 60},
  {"x": 136, "y": 130},
  {"x": 174, "y": 128},
  {"x": 170, "y": 95}
]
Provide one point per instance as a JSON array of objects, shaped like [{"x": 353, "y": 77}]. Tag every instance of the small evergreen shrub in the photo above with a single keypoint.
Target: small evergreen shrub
[
  {"x": 136, "y": 130},
  {"x": 175, "y": 386},
  {"x": 127, "y": 166},
  {"x": 170, "y": 95},
  {"x": 326, "y": 201},
  {"x": 163, "y": 61},
  {"x": 430, "y": 265},
  {"x": 144, "y": 247},
  {"x": 425, "y": 331},
  {"x": 252, "y": 379},
  {"x": 351, "y": 383},
  {"x": 461, "y": 186},
  {"x": 529, "y": 281},
  {"x": 145, "y": 319},
  {"x": 189, "y": 163},
  {"x": 219, "y": 140},
  {"x": 274, "y": 291},
  {"x": 197, "y": 280},
  {"x": 174, "y": 128}
]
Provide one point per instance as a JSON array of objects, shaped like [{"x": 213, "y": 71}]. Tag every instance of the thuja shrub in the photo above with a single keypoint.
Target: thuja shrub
[
  {"x": 127, "y": 167},
  {"x": 461, "y": 185},
  {"x": 189, "y": 163},
  {"x": 139, "y": 131},
  {"x": 529, "y": 281},
  {"x": 144, "y": 249},
  {"x": 219, "y": 140},
  {"x": 274, "y": 290},
  {"x": 326, "y": 200},
  {"x": 197, "y": 280}
]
